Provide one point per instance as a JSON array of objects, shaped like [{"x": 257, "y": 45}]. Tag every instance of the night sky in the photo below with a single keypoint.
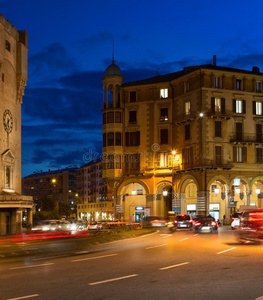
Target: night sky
[{"x": 70, "y": 46}]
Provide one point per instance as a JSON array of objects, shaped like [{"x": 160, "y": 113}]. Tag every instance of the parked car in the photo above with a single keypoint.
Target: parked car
[
  {"x": 251, "y": 226},
  {"x": 206, "y": 225},
  {"x": 236, "y": 220}
]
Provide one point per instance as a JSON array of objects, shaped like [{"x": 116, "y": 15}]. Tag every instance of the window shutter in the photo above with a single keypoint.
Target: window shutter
[
  {"x": 234, "y": 105},
  {"x": 254, "y": 107},
  {"x": 244, "y": 106},
  {"x": 127, "y": 139},
  {"x": 223, "y": 105},
  {"x": 234, "y": 154},
  {"x": 138, "y": 138},
  {"x": 213, "y": 104},
  {"x": 244, "y": 154}
]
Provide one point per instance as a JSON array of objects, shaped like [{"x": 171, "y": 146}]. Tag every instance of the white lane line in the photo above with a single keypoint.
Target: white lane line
[
  {"x": 183, "y": 239},
  {"x": 50, "y": 257},
  {"x": 32, "y": 266},
  {"x": 174, "y": 266},
  {"x": 156, "y": 246},
  {"x": 96, "y": 257},
  {"x": 113, "y": 279},
  {"x": 226, "y": 250},
  {"x": 24, "y": 297}
]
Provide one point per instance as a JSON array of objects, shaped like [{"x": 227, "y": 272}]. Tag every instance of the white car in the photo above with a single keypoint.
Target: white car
[{"x": 236, "y": 220}]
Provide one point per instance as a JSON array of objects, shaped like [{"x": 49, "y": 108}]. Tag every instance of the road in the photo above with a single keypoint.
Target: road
[{"x": 161, "y": 265}]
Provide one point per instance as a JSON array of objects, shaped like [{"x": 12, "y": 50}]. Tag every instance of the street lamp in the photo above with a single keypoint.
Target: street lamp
[{"x": 165, "y": 193}]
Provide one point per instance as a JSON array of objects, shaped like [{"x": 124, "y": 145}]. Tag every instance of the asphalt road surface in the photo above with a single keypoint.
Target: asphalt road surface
[{"x": 161, "y": 265}]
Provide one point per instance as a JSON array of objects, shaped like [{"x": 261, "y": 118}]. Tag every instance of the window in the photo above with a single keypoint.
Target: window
[
  {"x": 238, "y": 84},
  {"x": 118, "y": 139},
  {"x": 187, "y": 108},
  {"x": 259, "y": 155},
  {"x": 163, "y": 93},
  {"x": 218, "y": 129},
  {"x": 163, "y": 114},
  {"x": 164, "y": 136},
  {"x": 133, "y": 138},
  {"x": 118, "y": 161},
  {"x": 139, "y": 189},
  {"x": 118, "y": 117},
  {"x": 133, "y": 117},
  {"x": 218, "y": 105},
  {"x": 259, "y": 132},
  {"x": 132, "y": 163},
  {"x": 104, "y": 118},
  {"x": 258, "y": 86},
  {"x": 217, "y": 82},
  {"x": 239, "y": 131},
  {"x": 187, "y": 157},
  {"x": 187, "y": 132},
  {"x": 257, "y": 108},
  {"x": 133, "y": 96},
  {"x": 7, "y": 46},
  {"x": 240, "y": 154},
  {"x": 187, "y": 86},
  {"x": 218, "y": 155},
  {"x": 110, "y": 136},
  {"x": 110, "y": 162},
  {"x": 239, "y": 106},
  {"x": 110, "y": 117}
]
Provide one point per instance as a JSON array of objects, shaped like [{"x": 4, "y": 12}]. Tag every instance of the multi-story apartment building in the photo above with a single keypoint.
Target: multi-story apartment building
[
  {"x": 13, "y": 76},
  {"x": 59, "y": 185},
  {"x": 94, "y": 195},
  {"x": 189, "y": 141}
]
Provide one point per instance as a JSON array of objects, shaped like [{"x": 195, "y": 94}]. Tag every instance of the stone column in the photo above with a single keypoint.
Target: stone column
[
  {"x": 227, "y": 212},
  {"x": 29, "y": 219},
  {"x": 13, "y": 222},
  {"x": 202, "y": 203},
  {"x": 248, "y": 197},
  {"x": 19, "y": 219}
]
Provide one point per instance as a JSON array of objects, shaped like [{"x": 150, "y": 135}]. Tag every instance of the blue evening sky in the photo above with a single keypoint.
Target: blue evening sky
[{"x": 70, "y": 46}]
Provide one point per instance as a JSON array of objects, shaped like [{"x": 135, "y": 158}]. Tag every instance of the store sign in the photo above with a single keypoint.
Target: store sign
[
  {"x": 140, "y": 208},
  {"x": 236, "y": 181}
]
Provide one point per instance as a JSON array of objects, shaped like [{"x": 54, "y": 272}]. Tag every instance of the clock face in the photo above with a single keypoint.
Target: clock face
[{"x": 8, "y": 121}]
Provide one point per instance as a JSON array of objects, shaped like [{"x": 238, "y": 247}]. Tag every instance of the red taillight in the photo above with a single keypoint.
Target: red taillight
[
  {"x": 197, "y": 224},
  {"x": 191, "y": 221},
  {"x": 213, "y": 223},
  {"x": 233, "y": 219},
  {"x": 175, "y": 221}
]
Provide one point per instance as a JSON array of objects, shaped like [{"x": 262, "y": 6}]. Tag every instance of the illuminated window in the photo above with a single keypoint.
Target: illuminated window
[
  {"x": 239, "y": 106},
  {"x": 187, "y": 108},
  {"x": 240, "y": 154},
  {"x": 163, "y": 93},
  {"x": 217, "y": 104},
  {"x": 258, "y": 108}
]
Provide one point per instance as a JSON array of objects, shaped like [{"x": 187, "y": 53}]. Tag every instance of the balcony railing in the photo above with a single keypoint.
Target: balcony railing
[{"x": 246, "y": 139}]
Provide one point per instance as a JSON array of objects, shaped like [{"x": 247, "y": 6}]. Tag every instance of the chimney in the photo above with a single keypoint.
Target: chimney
[
  {"x": 255, "y": 69},
  {"x": 214, "y": 60}
]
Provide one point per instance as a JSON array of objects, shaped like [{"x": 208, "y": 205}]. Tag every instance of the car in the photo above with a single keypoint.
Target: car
[
  {"x": 94, "y": 225},
  {"x": 251, "y": 226},
  {"x": 183, "y": 221},
  {"x": 154, "y": 221},
  {"x": 206, "y": 224},
  {"x": 236, "y": 220}
]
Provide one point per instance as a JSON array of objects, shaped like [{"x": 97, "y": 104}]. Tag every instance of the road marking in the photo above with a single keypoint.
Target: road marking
[
  {"x": 226, "y": 250},
  {"x": 32, "y": 266},
  {"x": 113, "y": 279},
  {"x": 24, "y": 297},
  {"x": 156, "y": 246},
  {"x": 183, "y": 239},
  {"x": 50, "y": 257},
  {"x": 195, "y": 234},
  {"x": 174, "y": 266},
  {"x": 96, "y": 257}
]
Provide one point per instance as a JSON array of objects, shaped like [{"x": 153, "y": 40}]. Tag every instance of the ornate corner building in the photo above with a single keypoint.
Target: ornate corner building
[
  {"x": 13, "y": 77},
  {"x": 184, "y": 142}
]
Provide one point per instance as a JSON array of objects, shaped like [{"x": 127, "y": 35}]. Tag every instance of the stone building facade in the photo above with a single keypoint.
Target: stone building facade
[
  {"x": 13, "y": 77},
  {"x": 184, "y": 142}
]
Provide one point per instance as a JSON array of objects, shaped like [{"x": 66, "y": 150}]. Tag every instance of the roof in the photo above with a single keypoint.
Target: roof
[
  {"x": 112, "y": 70},
  {"x": 91, "y": 163},
  {"x": 49, "y": 172},
  {"x": 171, "y": 76}
]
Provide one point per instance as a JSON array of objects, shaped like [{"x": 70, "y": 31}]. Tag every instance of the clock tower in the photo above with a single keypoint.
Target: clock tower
[{"x": 13, "y": 77}]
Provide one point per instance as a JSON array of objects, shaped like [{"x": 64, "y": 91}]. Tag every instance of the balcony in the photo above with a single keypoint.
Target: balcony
[
  {"x": 226, "y": 115},
  {"x": 246, "y": 139}
]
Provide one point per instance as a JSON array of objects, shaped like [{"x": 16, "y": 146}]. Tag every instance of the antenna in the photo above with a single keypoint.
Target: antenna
[{"x": 113, "y": 50}]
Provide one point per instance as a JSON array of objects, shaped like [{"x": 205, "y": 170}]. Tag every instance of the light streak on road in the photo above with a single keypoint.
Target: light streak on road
[
  {"x": 113, "y": 279},
  {"x": 25, "y": 297}
]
